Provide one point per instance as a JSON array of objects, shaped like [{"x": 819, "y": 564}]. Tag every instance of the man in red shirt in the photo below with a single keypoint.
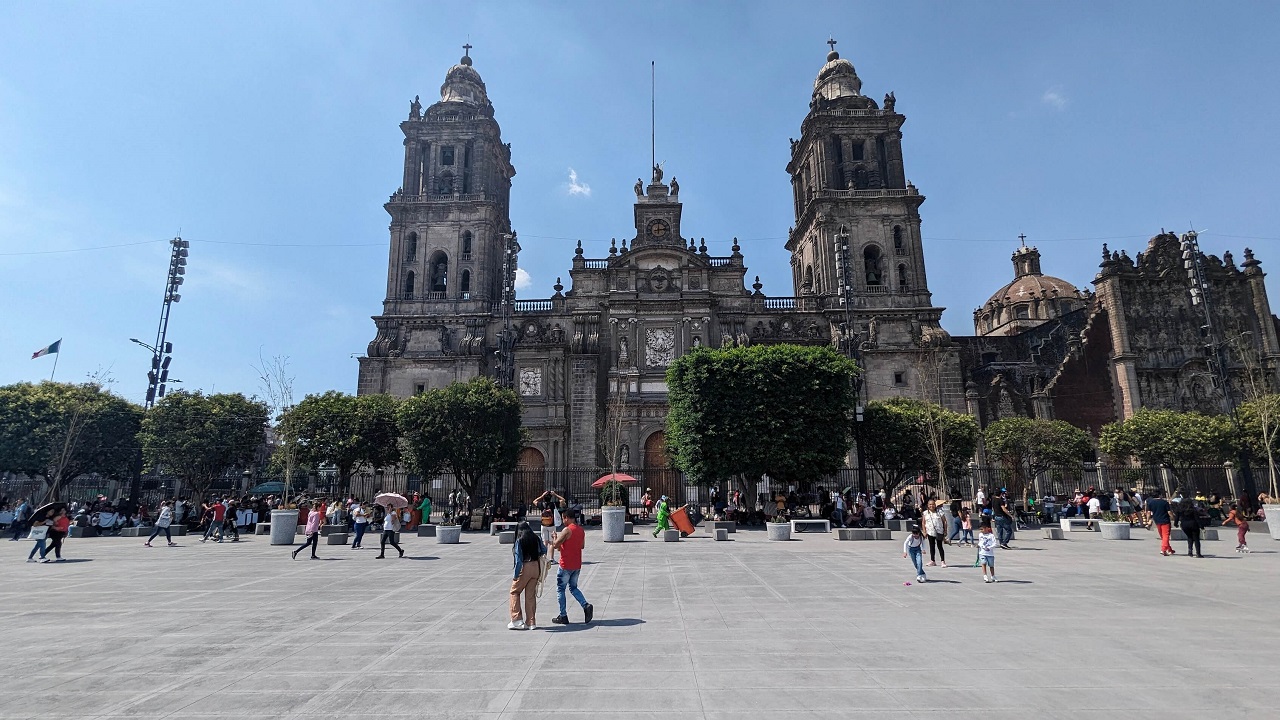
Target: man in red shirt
[
  {"x": 570, "y": 542},
  {"x": 215, "y": 523}
]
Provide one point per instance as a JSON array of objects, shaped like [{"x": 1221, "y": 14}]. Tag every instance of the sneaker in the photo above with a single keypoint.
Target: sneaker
[
  {"x": 295, "y": 553},
  {"x": 944, "y": 564},
  {"x": 173, "y": 544},
  {"x": 919, "y": 578},
  {"x": 149, "y": 545},
  {"x": 44, "y": 560},
  {"x": 531, "y": 626},
  {"x": 401, "y": 553},
  {"x": 60, "y": 560},
  {"x": 932, "y": 564},
  {"x": 516, "y": 625},
  {"x": 560, "y": 620},
  {"x": 31, "y": 559},
  {"x": 589, "y": 611},
  {"x": 995, "y": 579},
  {"x": 986, "y": 578}
]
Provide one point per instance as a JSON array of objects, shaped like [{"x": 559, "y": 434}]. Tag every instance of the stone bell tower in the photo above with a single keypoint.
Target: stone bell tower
[
  {"x": 450, "y": 220},
  {"x": 849, "y": 185}
]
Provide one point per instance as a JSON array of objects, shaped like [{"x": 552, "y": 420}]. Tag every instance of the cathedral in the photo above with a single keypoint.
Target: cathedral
[
  {"x": 596, "y": 352},
  {"x": 589, "y": 362}
]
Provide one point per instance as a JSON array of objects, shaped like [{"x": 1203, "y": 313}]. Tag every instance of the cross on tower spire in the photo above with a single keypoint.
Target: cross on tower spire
[
  {"x": 1023, "y": 238},
  {"x": 832, "y": 42},
  {"x": 466, "y": 50}
]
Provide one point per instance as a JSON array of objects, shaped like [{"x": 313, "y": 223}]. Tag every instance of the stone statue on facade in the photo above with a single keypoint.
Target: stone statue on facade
[
  {"x": 889, "y": 102},
  {"x": 624, "y": 456},
  {"x": 624, "y": 357},
  {"x": 446, "y": 341},
  {"x": 657, "y": 173},
  {"x": 675, "y": 186},
  {"x": 415, "y": 108},
  {"x": 639, "y": 188}
]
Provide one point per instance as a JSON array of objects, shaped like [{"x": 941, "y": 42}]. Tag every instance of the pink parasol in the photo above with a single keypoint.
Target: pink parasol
[{"x": 620, "y": 477}]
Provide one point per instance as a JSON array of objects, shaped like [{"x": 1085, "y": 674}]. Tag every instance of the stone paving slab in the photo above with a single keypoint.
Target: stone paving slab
[{"x": 813, "y": 627}]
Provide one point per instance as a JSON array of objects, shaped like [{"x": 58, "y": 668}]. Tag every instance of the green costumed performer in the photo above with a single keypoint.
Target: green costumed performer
[
  {"x": 425, "y": 507},
  {"x": 664, "y": 515}
]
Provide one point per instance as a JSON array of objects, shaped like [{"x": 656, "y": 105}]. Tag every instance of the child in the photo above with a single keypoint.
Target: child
[
  {"x": 966, "y": 528},
  {"x": 987, "y": 553},
  {"x": 1242, "y": 527},
  {"x": 914, "y": 547}
]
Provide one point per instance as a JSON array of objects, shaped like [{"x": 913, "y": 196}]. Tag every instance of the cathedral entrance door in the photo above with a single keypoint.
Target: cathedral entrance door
[
  {"x": 529, "y": 479},
  {"x": 658, "y": 473}
]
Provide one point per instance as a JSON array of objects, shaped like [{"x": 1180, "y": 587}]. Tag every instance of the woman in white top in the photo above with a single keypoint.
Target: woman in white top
[
  {"x": 935, "y": 529},
  {"x": 390, "y": 526},
  {"x": 360, "y": 519},
  {"x": 163, "y": 521}
]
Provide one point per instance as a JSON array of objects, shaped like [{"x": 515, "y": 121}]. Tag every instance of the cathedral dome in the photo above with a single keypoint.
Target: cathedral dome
[
  {"x": 1031, "y": 299},
  {"x": 463, "y": 84},
  {"x": 1029, "y": 286}
]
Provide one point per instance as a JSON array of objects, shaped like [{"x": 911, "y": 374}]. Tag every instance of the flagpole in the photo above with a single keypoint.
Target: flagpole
[{"x": 55, "y": 360}]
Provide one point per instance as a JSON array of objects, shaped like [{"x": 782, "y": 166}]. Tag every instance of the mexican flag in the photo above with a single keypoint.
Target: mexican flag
[{"x": 46, "y": 351}]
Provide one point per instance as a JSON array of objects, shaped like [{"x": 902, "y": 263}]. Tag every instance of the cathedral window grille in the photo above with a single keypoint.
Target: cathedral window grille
[
  {"x": 419, "y": 388},
  {"x": 411, "y": 247},
  {"x": 899, "y": 379},
  {"x": 465, "y": 285},
  {"x": 902, "y": 278},
  {"x": 446, "y": 155},
  {"x": 856, "y": 150},
  {"x": 837, "y": 164},
  {"x": 899, "y": 247},
  {"x": 408, "y": 285},
  {"x": 466, "y": 244},
  {"x": 439, "y": 273},
  {"x": 874, "y": 267}
]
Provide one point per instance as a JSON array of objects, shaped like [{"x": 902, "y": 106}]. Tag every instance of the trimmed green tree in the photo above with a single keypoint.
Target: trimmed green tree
[
  {"x": 199, "y": 437},
  {"x": 471, "y": 429},
  {"x": 1167, "y": 437},
  {"x": 1030, "y": 447},
  {"x": 349, "y": 432},
  {"x": 59, "y": 431},
  {"x": 1260, "y": 423},
  {"x": 740, "y": 413},
  {"x": 896, "y": 439}
]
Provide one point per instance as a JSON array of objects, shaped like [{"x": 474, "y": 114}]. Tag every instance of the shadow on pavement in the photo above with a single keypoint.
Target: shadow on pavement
[{"x": 578, "y": 627}]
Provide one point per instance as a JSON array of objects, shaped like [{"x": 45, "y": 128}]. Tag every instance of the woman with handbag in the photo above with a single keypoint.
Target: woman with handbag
[
  {"x": 527, "y": 554},
  {"x": 57, "y": 532},
  {"x": 390, "y": 526},
  {"x": 40, "y": 533}
]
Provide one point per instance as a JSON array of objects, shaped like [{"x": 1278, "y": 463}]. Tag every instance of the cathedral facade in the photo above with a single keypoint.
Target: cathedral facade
[{"x": 595, "y": 353}]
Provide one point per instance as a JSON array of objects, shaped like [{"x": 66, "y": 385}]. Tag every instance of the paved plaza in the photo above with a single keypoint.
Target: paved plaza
[{"x": 696, "y": 629}]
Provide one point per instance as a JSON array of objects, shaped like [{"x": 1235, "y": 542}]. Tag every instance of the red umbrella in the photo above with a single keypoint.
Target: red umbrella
[{"x": 620, "y": 477}]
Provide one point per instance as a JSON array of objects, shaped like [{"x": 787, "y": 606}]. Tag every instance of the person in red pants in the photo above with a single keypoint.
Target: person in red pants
[{"x": 1159, "y": 509}]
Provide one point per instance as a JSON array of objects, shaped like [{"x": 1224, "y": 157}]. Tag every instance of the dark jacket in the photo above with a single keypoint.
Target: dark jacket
[{"x": 519, "y": 557}]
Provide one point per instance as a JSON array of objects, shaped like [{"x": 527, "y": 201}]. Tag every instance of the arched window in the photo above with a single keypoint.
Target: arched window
[
  {"x": 807, "y": 284},
  {"x": 466, "y": 244},
  {"x": 871, "y": 260},
  {"x": 1022, "y": 313},
  {"x": 411, "y": 247},
  {"x": 466, "y": 284},
  {"x": 898, "y": 247},
  {"x": 408, "y": 284},
  {"x": 902, "y": 277},
  {"x": 439, "y": 272}
]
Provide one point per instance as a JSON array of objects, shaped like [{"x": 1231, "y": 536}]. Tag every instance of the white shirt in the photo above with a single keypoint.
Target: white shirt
[
  {"x": 933, "y": 522},
  {"x": 980, "y": 498},
  {"x": 1095, "y": 505},
  {"x": 357, "y": 511},
  {"x": 987, "y": 543},
  {"x": 913, "y": 541}
]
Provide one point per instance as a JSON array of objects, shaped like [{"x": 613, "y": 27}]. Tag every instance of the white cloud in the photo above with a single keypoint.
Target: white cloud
[
  {"x": 523, "y": 280},
  {"x": 577, "y": 188},
  {"x": 1054, "y": 97}
]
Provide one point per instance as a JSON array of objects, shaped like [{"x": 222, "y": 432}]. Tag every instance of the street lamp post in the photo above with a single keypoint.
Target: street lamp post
[
  {"x": 850, "y": 346},
  {"x": 1216, "y": 353},
  {"x": 505, "y": 371}
]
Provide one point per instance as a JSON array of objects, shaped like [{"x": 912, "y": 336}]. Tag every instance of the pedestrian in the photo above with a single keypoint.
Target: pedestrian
[
  {"x": 935, "y": 529},
  {"x": 1189, "y": 520},
  {"x": 163, "y": 520},
  {"x": 527, "y": 555},
  {"x": 966, "y": 527},
  {"x": 664, "y": 515},
  {"x": 646, "y": 503},
  {"x": 40, "y": 533},
  {"x": 359, "y": 521},
  {"x": 424, "y": 509},
  {"x": 570, "y": 542},
  {"x": 913, "y": 547},
  {"x": 1235, "y": 517},
  {"x": 229, "y": 520},
  {"x": 1160, "y": 517},
  {"x": 215, "y": 515},
  {"x": 953, "y": 522},
  {"x": 314, "y": 518},
  {"x": 390, "y": 526},
  {"x": 1003, "y": 519},
  {"x": 20, "y": 515},
  {"x": 57, "y": 533},
  {"x": 987, "y": 543}
]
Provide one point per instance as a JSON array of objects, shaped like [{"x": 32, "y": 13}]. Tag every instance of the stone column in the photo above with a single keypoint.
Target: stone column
[{"x": 1230, "y": 469}]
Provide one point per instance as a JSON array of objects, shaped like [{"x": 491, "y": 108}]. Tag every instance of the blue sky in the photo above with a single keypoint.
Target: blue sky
[{"x": 268, "y": 133}]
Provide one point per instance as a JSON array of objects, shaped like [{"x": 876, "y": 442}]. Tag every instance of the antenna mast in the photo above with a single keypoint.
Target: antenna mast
[{"x": 653, "y": 115}]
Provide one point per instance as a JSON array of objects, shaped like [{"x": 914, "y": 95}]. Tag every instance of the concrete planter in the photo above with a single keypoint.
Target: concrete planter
[
  {"x": 283, "y": 525},
  {"x": 778, "y": 531},
  {"x": 614, "y": 523},
  {"x": 1273, "y": 520},
  {"x": 448, "y": 534},
  {"x": 1115, "y": 530}
]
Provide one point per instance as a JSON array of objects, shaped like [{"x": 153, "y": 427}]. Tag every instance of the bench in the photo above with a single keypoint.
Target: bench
[
  {"x": 502, "y": 526},
  {"x": 824, "y": 524},
  {"x": 1206, "y": 534},
  {"x": 327, "y": 530},
  {"x": 863, "y": 534},
  {"x": 1053, "y": 533},
  {"x": 628, "y": 529},
  {"x": 133, "y": 531},
  {"x": 426, "y": 531},
  {"x": 178, "y": 529},
  {"x": 722, "y": 534},
  {"x": 83, "y": 532},
  {"x": 335, "y": 538},
  {"x": 262, "y": 528},
  {"x": 507, "y": 537},
  {"x": 727, "y": 525},
  {"x": 1067, "y": 523},
  {"x": 670, "y": 536}
]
